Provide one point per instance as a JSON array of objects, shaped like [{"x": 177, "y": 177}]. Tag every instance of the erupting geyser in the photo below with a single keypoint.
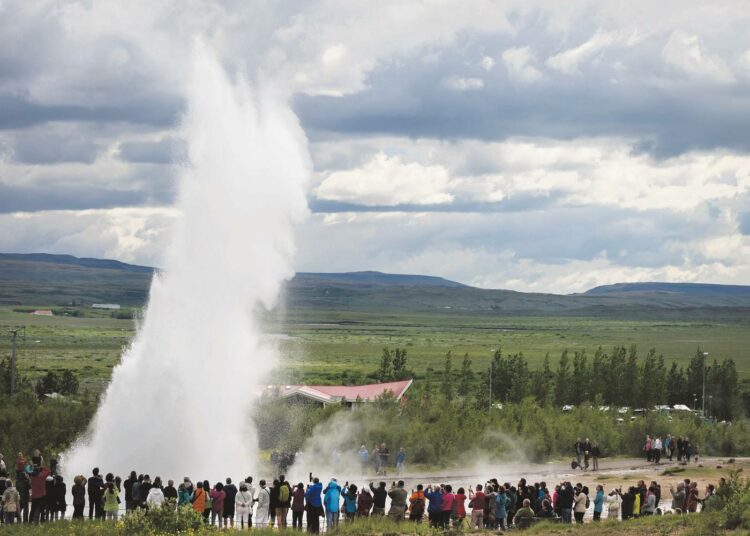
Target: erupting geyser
[{"x": 179, "y": 403}]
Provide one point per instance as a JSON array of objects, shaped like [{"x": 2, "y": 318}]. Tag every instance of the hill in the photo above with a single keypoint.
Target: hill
[{"x": 44, "y": 279}]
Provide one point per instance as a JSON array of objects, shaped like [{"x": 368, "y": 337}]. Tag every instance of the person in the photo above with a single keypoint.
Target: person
[
  {"x": 349, "y": 494},
  {"x": 314, "y": 505},
  {"x": 613, "y": 505},
  {"x": 459, "y": 503},
  {"x": 384, "y": 454},
  {"x": 332, "y": 500},
  {"x": 398, "y": 496},
  {"x": 135, "y": 492},
  {"x": 364, "y": 503},
  {"x": 546, "y": 511},
  {"x": 379, "y": 495},
  {"x": 691, "y": 498},
  {"x": 578, "y": 449},
  {"x": 217, "y": 504},
  {"x": 264, "y": 503},
  {"x": 501, "y": 508},
  {"x": 79, "y": 496},
  {"x": 566, "y": 499},
  {"x": 579, "y": 504},
  {"x": 435, "y": 507},
  {"x": 376, "y": 459},
  {"x": 110, "y": 497},
  {"x": 59, "y": 503},
  {"x": 524, "y": 516},
  {"x": 628, "y": 503},
  {"x": 284, "y": 501},
  {"x": 273, "y": 494},
  {"x": 128, "y": 485},
  {"x": 598, "y": 502},
  {"x": 657, "y": 450},
  {"x": 38, "y": 477},
  {"x": 155, "y": 497},
  {"x": 251, "y": 491},
  {"x": 209, "y": 501},
  {"x": 95, "y": 489},
  {"x": 298, "y": 505},
  {"x": 170, "y": 493},
  {"x": 23, "y": 485},
  {"x": 364, "y": 457},
  {"x": 417, "y": 502},
  {"x": 243, "y": 506},
  {"x": 447, "y": 506},
  {"x": 678, "y": 496},
  {"x": 198, "y": 499},
  {"x": 11, "y": 501},
  {"x": 586, "y": 453},
  {"x": 649, "y": 506},
  {"x": 400, "y": 461},
  {"x": 667, "y": 444},
  {"x": 230, "y": 491},
  {"x": 183, "y": 496},
  {"x": 477, "y": 508},
  {"x": 596, "y": 452}
]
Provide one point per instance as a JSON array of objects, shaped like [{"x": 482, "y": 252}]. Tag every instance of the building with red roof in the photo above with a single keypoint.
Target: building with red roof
[{"x": 343, "y": 394}]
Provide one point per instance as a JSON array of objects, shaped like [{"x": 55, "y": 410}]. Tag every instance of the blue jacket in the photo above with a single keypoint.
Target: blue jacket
[
  {"x": 332, "y": 497},
  {"x": 436, "y": 501},
  {"x": 312, "y": 495},
  {"x": 350, "y": 502},
  {"x": 599, "y": 501},
  {"x": 502, "y": 501}
]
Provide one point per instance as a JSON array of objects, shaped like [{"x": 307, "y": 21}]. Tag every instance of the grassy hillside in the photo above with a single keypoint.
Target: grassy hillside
[{"x": 40, "y": 279}]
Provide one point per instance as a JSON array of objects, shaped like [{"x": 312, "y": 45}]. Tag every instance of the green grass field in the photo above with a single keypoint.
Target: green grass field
[{"x": 328, "y": 346}]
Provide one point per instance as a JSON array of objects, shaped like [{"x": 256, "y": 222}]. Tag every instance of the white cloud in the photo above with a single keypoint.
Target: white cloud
[
  {"x": 569, "y": 61},
  {"x": 686, "y": 52},
  {"x": 487, "y": 63},
  {"x": 519, "y": 64},
  {"x": 456, "y": 83},
  {"x": 388, "y": 181}
]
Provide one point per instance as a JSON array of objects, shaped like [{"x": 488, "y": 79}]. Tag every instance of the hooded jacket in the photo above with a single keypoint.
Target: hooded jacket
[
  {"x": 312, "y": 495},
  {"x": 332, "y": 498}
]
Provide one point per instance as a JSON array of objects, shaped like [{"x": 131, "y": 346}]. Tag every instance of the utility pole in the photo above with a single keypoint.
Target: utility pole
[{"x": 14, "y": 333}]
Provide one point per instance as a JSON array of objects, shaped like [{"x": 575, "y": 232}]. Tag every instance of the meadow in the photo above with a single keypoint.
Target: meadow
[{"x": 332, "y": 347}]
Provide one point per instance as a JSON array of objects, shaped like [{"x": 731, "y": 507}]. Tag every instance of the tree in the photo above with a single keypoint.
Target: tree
[
  {"x": 630, "y": 376},
  {"x": 581, "y": 379},
  {"x": 384, "y": 372},
  {"x": 519, "y": 374},
  {"x": 695, "y": 376},
  {"x": 562, "y": 380},
  {"x": 466, "y": 378},
  {"x": 400, "y": 371},
  {"x": 447, "y": 384},
  {"x": 676, "y": 385}
]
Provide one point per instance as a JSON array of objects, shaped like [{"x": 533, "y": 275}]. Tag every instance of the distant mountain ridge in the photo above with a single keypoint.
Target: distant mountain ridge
[
  {"x": 46, "y": 279},
  {"x": 675, "y": 288}
]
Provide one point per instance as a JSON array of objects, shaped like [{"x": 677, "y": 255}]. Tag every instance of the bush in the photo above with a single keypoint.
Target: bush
[{"x": 166, "y": 520}]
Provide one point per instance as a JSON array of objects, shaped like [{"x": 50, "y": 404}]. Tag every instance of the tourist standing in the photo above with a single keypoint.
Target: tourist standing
[
  {"x": 417, "y": 503},
  {"x": 110, "y": 495},
  {"x": 95, "y": 489},
  {"x": 332, "y": 500},
  {"x": 364, "y": 457},
  {"x": 298, "y": 506},
  {"x": 398, "y": 496},
  {"x": 364, "y": 503},
  {"x": 11, "y": 501},
  {"x": 243, "y": 505},
  {"x": 264, "y": 503},
  {"x": 199, "y": 498},
  {"x": 230, "y": 491},
  {"x": 284, "y": 501},
  {"x": 598, "y": 503},
  {"x": 400, "y": 461},
  {"x": 314, "y": 505},
  {"x": 477, "y": 508},
  {"x": 579, "y": 504},
  {"x": 155, "y": 497}
]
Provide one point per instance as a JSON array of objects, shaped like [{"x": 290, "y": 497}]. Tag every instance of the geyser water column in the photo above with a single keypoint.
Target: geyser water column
[{"x": 179, "y": 402}]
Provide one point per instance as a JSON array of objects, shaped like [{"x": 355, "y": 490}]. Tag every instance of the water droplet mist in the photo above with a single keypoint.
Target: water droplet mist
[{"x": 179, "y": 403}]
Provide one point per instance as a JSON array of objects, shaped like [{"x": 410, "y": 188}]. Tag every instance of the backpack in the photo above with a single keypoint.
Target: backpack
[
  {"x": 284, "y": 493},
  {"x": 417, "y": 507},
  {"x": 209, "y": 501}
]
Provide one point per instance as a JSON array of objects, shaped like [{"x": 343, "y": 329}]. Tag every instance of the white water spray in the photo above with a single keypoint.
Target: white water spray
[{"x": 179, "y": 403}]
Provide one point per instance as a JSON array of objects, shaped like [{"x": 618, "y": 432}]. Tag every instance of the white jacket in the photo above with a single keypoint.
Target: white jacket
[
  {"x": 243, "y": 502},
  {"x": 155, "y": 497}
]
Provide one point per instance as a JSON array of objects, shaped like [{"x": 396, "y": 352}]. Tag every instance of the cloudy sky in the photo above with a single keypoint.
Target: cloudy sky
[{"x": 546, "y": 146}]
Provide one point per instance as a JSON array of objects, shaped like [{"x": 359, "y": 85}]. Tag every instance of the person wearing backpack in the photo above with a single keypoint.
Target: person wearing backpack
[
  {"x": 416, "y": 504},
  {"x": 284, "y": 501},
  {"x": 580, "y": 504}
]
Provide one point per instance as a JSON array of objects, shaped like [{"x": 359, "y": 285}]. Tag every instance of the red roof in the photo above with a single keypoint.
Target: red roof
[{"x": 349, "y": 393}]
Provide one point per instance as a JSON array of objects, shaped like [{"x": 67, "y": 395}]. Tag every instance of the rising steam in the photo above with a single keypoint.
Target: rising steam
[{"x": 179, "y": 402}]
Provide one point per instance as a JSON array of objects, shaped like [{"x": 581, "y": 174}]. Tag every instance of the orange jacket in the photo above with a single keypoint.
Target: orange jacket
[{"x": 199, "y": 500}]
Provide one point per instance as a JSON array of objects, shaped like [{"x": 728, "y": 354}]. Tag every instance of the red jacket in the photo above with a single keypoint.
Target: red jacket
[{"x": 39, "y": 483}]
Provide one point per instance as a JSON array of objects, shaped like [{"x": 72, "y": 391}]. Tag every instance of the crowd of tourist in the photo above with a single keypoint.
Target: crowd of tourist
[
  {"x": 39, "y": 494},
  {"x": 679, "y": 448}
]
